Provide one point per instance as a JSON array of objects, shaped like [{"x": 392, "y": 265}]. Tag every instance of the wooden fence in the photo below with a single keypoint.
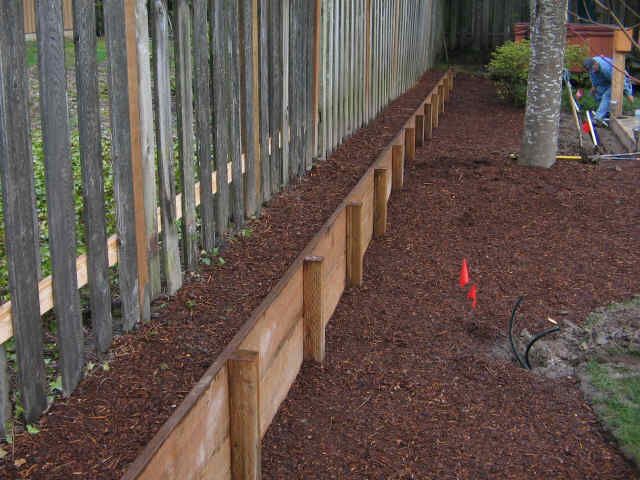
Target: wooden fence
[
  {"x": 30, "y": 15},
  {"x": 484, "y": 24},
  {"x": 262, "y": 89},
  {"x": 217, "y": 430}
]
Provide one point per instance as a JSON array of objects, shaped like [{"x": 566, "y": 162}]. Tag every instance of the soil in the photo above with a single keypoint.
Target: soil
[
  {"x": 569, "y": 144},
  {"x": 115, "y": 411},
  {"x": 411, "y": 387}
]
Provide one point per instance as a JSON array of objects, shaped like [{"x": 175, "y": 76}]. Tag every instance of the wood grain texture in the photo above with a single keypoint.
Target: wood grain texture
[
  {"x": 164, "y": 137},
  {"x": 137, "y": 178},
  {"x": 410, "y": 143},
  {"x": 275, "y": 92},
  {"x": 313, "y": 307},
  {"x": 184, "y": 108},
  {"x": 419, "y": 130},
  {"x": 59, "y": 177},
  {"x": 92, "y": 174},
  {"x": 244, "y": 415},
  {"x": 354, "y": 244},
  {"x": 114, "y": 23},
  {"x": 429, "y": 121},
  {"x": 202, "y": 78},
  {"x": 397, "y": 167},
  {"x": 265, "y": 114}
]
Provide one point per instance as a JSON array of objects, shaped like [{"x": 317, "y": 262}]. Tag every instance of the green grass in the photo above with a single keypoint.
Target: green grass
[
  {"x": 69, "y": 52},
  {"x": 619, "y": 403}
]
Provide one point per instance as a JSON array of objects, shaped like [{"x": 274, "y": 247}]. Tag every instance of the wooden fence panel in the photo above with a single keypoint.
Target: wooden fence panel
[
  {"x": 235, "y": 132},
  {"x": 275, "y": 92},
  {"x": 19, "y": 213},
  {"x": 60, "y": 211},
  {"x": 164, "y": 138},
  {"x": 92, "y": 175},
  {"x": 265, "y": 100},
  {"x": 184, "y": 108}
]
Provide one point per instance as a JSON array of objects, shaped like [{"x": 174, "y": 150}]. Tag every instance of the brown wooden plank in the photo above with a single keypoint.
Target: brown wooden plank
[
  {"x": 380, "y": 202},
  {"x": 244, "y": 414},
  {"x": 398, "y": 166},
  {"x": 265, "y": 114},
  {"x": 313, "y": 307},
  {"x": 354, "y": 244},
  {"x": 59, "y": 176},
  {"x": 136, "y": 162},
  {"x": 19, "y": 212}
]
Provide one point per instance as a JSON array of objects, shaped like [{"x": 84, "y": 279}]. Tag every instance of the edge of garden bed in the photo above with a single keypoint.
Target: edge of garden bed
[{"x": 142, "y": 466}]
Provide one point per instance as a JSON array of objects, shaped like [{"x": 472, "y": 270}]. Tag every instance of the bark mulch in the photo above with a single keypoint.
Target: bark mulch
[
  {"x": 113, "y": 414},
  {"x": 412, "y": 386}
]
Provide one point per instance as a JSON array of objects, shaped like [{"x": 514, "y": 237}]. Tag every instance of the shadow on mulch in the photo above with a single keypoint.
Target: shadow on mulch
[
  {"x": 113, "y": 414},
  {"x": 411, "y": 387}
]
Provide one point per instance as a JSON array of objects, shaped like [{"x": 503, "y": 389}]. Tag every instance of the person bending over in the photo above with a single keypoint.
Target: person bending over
[{"x": 600, "y": 70}]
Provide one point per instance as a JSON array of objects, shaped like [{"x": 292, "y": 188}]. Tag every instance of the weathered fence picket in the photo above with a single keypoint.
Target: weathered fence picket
[{"x": 254, "y": 90}]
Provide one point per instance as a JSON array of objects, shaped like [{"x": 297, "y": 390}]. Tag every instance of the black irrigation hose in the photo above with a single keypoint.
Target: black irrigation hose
[
  {"x": 534, "y": 340},
  {"x": 522, "y": 362}
]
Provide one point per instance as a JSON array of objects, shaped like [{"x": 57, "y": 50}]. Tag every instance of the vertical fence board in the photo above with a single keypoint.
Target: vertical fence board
[
  {"x": 19, "y": 211},
  {"x": 92, "y": 175},
  {"x": 265, "y": 130},
  {"x": 184, "y": 108},
  {"x": 222, "y": 111},
  {"x": 235, "y": 133},
  {"x": 275, "y": 92},
  {"x": 202, "y": 77},
  {"x": 59, "y": 176},
  {"x": 250, "y": 104},
  {"x": 164, "y": 138},
  {"x": 147, "y": 146}
]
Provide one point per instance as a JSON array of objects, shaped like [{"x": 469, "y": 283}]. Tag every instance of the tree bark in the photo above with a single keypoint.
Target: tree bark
[{"x": 542, "y": 116}]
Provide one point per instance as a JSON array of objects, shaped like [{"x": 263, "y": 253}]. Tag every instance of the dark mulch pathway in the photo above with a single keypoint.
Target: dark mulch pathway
[
  {"x": 411, "y": 387},
  {"x": 104, "y": 425}
]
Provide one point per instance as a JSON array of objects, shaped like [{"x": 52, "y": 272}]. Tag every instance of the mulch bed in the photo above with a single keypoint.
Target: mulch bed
[
  {"x": 413, "y": 387},
  {"x": 113, "y": 414}
]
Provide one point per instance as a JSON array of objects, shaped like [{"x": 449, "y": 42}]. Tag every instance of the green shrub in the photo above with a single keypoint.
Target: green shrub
[{"x": 509, "y": 68}]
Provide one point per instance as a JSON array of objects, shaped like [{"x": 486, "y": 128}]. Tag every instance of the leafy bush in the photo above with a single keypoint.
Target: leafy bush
[{"x": 509, "y": 68}]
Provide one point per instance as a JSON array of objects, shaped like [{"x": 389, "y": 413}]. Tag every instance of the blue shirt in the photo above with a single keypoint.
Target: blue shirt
[{"x": 602, "y": 78}]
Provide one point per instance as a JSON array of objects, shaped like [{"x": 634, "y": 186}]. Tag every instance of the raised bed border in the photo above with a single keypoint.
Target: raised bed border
[{"x": 217, "y": 429}]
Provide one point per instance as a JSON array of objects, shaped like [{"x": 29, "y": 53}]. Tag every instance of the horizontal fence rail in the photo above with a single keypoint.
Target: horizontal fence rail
[
  {"x": 217, "y": 430},
  {"x": 186, "y": 117}
]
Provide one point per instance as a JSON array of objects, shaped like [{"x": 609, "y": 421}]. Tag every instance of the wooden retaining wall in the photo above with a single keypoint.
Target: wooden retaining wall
[{"x": 216, "y": 431}]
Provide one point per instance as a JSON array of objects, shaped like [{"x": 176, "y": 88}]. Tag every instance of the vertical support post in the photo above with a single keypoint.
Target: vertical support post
[
  {"x": 317, "y": 60},
  {"x": 244, "y": 415},
  {"x": 622, "y": 46},
  {"x": 441, "y": 98},
  {"x": 5, "y": 403},
  {"x": 397, "y": 167},
  {"x": 379, "y": 202},
  {"x": 435, "y": 108},
  {"x": 410, "y": 143},
  {"x": 419, "y": 130},
  {"x": 144, "y": 295},
  {"x": 313, "y": 307},
  {"x": 354, "y": 244},
  {"x": 428, "y": 117}
]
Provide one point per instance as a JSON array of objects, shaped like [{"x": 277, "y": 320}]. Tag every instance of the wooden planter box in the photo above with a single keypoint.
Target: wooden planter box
[{"x": 216, "y": 431}]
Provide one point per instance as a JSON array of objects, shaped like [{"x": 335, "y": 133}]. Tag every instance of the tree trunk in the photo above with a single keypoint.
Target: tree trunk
[{"x": 548, "y": 30}]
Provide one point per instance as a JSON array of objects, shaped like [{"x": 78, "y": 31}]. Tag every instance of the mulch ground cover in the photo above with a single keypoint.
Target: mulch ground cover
[
  {"x": 415, "y": 385},
  {"x": 114, "y": 413}
]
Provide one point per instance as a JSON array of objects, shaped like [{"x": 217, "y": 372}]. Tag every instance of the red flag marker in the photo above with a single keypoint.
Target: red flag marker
[
  {"x": 585, "y": 127},
  {"x": 473, "y": 295},
  {"x": 464, "y": 273}
]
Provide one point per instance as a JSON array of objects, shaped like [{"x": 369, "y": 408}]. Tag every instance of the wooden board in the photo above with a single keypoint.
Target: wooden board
[
  {"x": 275, "y": 325},
  {"x": 200, "y": 442},
  {"x": 280, "y": 375}
]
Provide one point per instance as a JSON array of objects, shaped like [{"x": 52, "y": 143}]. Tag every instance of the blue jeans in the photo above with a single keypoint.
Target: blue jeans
[{"x": 603, "y": 97}]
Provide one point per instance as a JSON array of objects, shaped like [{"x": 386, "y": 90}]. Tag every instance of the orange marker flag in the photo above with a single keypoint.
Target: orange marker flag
[
  {"x": 473, "y": 295},
  {"x": 464, "y": 273}
]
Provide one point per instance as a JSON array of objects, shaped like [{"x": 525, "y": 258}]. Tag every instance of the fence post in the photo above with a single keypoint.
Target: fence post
[
  {"x": 313, "y": 301},
  {"x": 380, "y": 202},
  {"x": 354, "y": 244},
  {"x": 244, "y": 415},
  {"x": 397, "y": 167},
  {"x": 441, "y": 98},
  {"x": 140, "y": 228},
  {"x": 419, "y": 129},
  {"x": 435, "y": 107},
  {"x": 428, "y": 117},
  {"x": 410, "y": 143}
]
